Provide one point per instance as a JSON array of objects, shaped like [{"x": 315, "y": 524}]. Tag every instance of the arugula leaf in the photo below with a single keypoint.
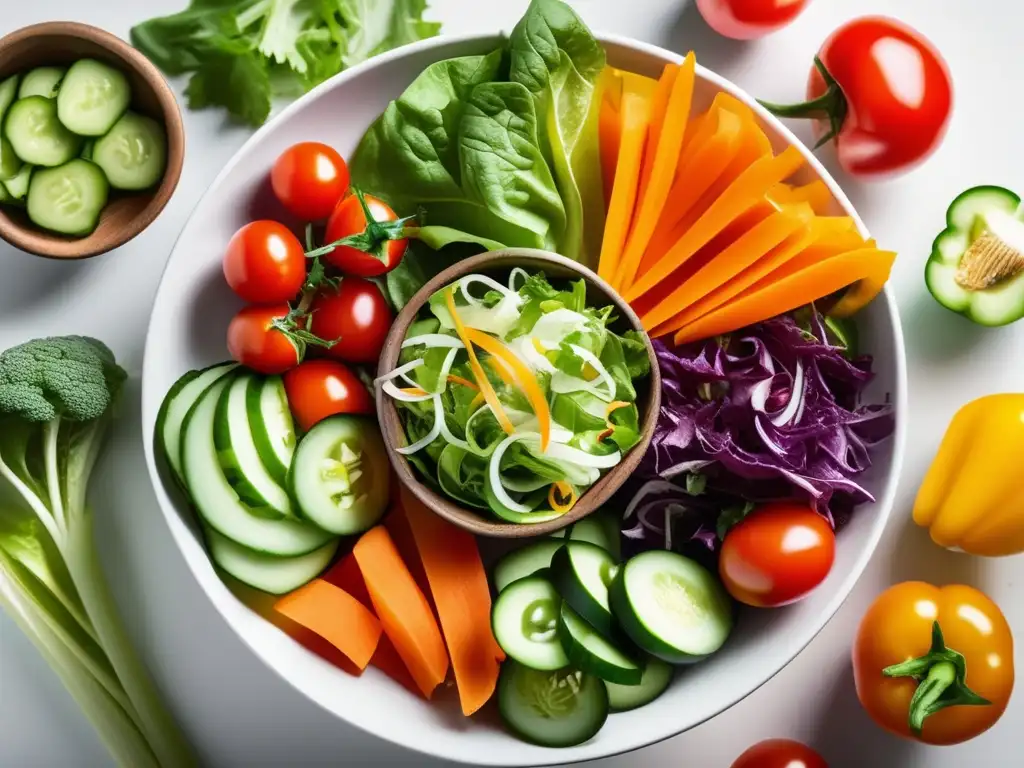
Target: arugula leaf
[{"x": 239, "y": 83}]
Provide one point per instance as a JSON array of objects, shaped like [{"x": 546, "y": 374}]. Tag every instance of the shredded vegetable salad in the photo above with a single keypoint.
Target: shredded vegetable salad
[{"x": 516, "y": 397}]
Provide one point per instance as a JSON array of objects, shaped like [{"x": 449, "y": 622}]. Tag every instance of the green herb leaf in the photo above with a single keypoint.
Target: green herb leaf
[
  {"x": 730, "y": 516},
  {"x": 239, "y": 83}
]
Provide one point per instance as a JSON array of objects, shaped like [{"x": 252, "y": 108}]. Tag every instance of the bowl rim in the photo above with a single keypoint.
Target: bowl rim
[
  {"x": 40, "y": 243},
  {"x": 387, "y": 412},
  {"x": 215, "y": 590}
]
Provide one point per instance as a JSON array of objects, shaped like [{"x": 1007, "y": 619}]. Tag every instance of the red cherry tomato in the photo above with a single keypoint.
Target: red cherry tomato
[
  {"x": 890, "y": 98},
  {"x": 255, "y": 343},
  {"x": 265, "y": 263},
  {"x": 776, "y": 555},
  {"x": 780, "y": 753},
  {"x": 321, "y": 388},
  {"x": 355, "y": 316},
  {"x": 749, "y": 19},
  {"x": 349, "y": 219},
  {"x": 309, "y": 179}
]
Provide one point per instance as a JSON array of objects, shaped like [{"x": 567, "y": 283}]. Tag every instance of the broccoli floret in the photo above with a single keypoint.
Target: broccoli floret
[{"x": 74, "y": 377}]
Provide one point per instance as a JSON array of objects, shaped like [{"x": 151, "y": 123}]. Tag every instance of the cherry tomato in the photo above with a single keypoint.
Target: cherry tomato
[
  {"x": 321, "y": 388},
  {"x": 355, "y": 316},
  {"x": 886, "y": 94},
  {"x": 255, "y": 343},
  {"x": 749, "y": 19},
  {"x": 776, "y": 555},
  {"x": 265, "y": 263},
  {"x": 350, "y": 219},
  {"x": 900, "y": 627},
  {"x": 780, "y": 753},
  {"x": 309, "y": 179}
]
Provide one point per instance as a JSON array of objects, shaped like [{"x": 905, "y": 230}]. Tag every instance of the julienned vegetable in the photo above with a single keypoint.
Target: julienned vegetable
[
  {"x": 242, "y": 54},
  {"x": 969, "y": 499},
  {"x": 516, "y": 397},
  {"x": 56, "y": 400},
  {"x": 977, "y": 261}
]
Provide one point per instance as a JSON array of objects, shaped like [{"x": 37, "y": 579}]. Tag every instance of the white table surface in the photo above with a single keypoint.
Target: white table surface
[{"x": 240, "y": 714}]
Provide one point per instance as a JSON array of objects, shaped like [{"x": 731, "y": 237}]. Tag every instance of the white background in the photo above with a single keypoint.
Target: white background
[{"x": 240, "y": 714}]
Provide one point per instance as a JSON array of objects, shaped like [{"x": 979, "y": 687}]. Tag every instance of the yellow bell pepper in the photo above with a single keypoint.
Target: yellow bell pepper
[{"x": 973, "y": 495}]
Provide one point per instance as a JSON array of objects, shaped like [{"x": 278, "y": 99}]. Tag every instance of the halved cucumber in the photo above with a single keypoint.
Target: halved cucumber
[
  {"x": 560, "y": 708},
  {"x": 233, "y": 429},
  {"x": 272, "y": 426},
  {"x": 36, "y": 134},
  {"x": 671, "y": 606},
  {"x": 92, "y": 96},
  {"x": 133, "y": 153},
  {"x": 216, "y": 501},
  {"x": 655, "y": 681},
  {"x": 10, "y": 163},
  {"x": 600, "y": 528},
  {"x": 581, "y": 572},
  {"x": 276, "y": 575},
  {"x": 591, "y": 653},
  {"x": 8, "y": 93},
  {"x": 69, "y": 198},
  {"x": 339, "y": 475},
  {"x": 524, "y": 562},
  {"x": 525, "y": 623},
  {"x": 17, "y": 186},
  {"x": 177, "y": 403},
  {"x": 41, "y": 81}
]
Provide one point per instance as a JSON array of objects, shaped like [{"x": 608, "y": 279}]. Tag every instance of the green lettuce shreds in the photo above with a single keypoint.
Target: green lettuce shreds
[{"x": 243, "y": 53}]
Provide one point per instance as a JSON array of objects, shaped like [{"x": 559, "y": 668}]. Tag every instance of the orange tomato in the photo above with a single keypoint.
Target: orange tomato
[{"x": 957, "y": 645}]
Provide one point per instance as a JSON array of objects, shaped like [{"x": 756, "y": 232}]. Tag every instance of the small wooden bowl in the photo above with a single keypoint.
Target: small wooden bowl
[
  {"x": 498, "y": 265},
  {"x": 126, "y": 214}
]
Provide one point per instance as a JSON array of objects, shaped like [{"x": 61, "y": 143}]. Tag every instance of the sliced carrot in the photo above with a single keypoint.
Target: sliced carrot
[
  {"x": 743, "y": 252},
  {"x": 458, "y": 582},
  {"x": 402, "y": 608},
  {"x": 336, "y": 616},
  {"x": 527, "y": 381},
  {"x": 859, "y": 295},
  {"x": 659, "y": 110},
  {"x": 775, "y": 297},
  {"x": 816, "y": 193},
  {"x": 663, "y": 150},
  {"x": 635, "y": 116},
  {"x": 464, "y": 382},
  {"x": 744, "y": 193},
  {"x": 474, "y": 365},
  {"x": 414, "y": 391},
  {"x": 609, "y": 128}
]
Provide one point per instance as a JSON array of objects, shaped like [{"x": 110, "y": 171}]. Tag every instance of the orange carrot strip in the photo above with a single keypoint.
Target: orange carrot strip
[
  {"x": 609, "y": 128},
  {"x": 336, "y": 616},
  {"x": 502, "y": 370},
  {"x": 464, "y": 382},
  {"x": 741, "y": 195},
  {"x": 458, "y": 582},
  {"x": 663, "y": 154},
  {"x": 816, "y": 193},
  {"x": 778, "y": 296},
  {"x": 635, "y": 115},
  {"x": 415, "y": 391},
  {"x": 402, "y": 608},
  {"x": 659, "y": 110}
]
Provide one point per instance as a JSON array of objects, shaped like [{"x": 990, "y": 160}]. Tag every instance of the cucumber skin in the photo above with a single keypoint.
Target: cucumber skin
[
  {"x": 634, "y": 696},
  {"x": 563, "y": 576},
  {"x": 516, "y": 554},
  {"x": 580, "y": 657}
]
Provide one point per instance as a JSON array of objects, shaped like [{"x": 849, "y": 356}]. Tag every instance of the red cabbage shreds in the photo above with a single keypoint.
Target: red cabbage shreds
[{"x": 772, "y": 412}]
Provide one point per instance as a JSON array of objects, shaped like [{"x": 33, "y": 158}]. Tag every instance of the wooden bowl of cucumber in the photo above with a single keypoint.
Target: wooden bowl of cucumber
[{"x": 91, "y": 144}]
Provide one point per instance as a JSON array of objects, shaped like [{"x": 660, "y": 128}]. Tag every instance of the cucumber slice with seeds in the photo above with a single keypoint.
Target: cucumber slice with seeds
[
  {"x": 134, "y": 153},
  {"x": 581, "y": 572},
  {"x": 68, "y": 199},
  {"x": 591, "y": 653},
  {"x": 92, "y": 96},
  {"x": 655, "y": 681},
  {"x": 525, "y": 623},
  {"x": 37, "y": 135},
  {"x": 524, "y": 562},
  {"x": 41, "y": 81},
  {"x": 560, "y": 708}
]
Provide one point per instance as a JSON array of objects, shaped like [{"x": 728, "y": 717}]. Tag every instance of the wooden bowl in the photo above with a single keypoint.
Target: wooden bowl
[
  {"x": 599, "y": 294},
  {"x": 126, "y": 214}
]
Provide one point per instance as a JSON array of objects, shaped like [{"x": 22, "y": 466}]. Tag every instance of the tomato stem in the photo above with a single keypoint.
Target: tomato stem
[
  {"x": 374, "y": 236},
  {"x": 941, "y": 674},
  {"x": 831, "y": 104}
]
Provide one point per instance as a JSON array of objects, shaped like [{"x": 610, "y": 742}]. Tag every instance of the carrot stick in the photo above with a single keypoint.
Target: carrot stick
[
  {"x": 402, "y": 608},
  {"x": 458, "y": 583},
  {"x": 336, "y": 616},
  {"x": 775, "y": 297},
  {"x": 660, "y": 166},
  {"x": 659, "y": 109},
  {"x": 740, "y": 196},
  {"x": 609, "y": 126},
  {"x": 816, "y": 193}
]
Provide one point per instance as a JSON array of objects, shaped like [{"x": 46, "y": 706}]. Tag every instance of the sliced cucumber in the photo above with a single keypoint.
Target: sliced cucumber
[
  {"x": 524, "y": 562},
  {"x": 671, "y": 606},
  {"x": 92, "y": 96},
  {"x": 593, "y": 654},
  {"x": 177, "y": 403},
  {"x": 525, "y": 623},
  {"x": 600, "y": 528},
  {"x": 41, "y": 81},
  {"x": 239, "y": 459},
  {"x": 272, "y": 426},
  {"x": 216, "y": 501},
  {"x": 17, "y": 186},
  {"x": 36, "y": 134},
  {"x": 10, "y": 163},
  {"x": 581, "y": 572},
  {"x": 560, "y": 708},
  {"x": 134, "y": 152},
  {"x": 87, "y": 147},
  {"x": 69, "y": 198},
  {"x": 655, "y": 681},
  {"x": 339, "y": 475},
  {"x": 8, "y": 93},
  {"x": 276, "y": 575},
  {"x": 5, "y": 196}
]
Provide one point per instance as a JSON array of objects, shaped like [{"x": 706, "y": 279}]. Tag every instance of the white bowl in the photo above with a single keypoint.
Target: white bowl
[{"x": 192, "y": 310}]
